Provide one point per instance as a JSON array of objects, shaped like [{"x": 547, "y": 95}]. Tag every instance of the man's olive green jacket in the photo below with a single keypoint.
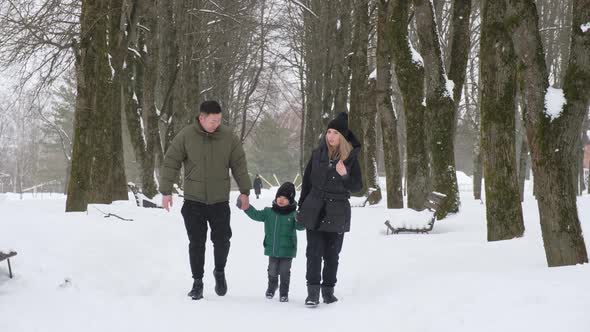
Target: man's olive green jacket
[{"x": 207, "y": 159}]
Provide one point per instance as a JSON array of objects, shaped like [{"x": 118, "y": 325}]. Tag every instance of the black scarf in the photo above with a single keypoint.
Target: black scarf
[{"x": 285, "y": 209}]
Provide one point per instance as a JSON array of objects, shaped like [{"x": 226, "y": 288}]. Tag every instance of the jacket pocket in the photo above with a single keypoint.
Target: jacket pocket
[{"x": 195, "y": 188}]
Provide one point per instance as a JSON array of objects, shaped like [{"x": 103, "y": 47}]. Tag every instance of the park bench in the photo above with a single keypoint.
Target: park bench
[
  {"x": 433, "y": 203},
  {"x": 140, "y": 199},
  {"x": 367, "y": 196},
  {"x": 6, "y": 256}
]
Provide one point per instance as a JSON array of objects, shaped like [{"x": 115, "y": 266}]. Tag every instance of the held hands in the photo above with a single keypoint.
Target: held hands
[
  {"x": 341, "y": 169},
  {"x": 167, "y": 202},
  {"x": 245, "y": 202}
]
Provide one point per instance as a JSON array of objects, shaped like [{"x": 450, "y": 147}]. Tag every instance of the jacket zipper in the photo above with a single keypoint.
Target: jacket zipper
[{"x": 274, "y": 238}]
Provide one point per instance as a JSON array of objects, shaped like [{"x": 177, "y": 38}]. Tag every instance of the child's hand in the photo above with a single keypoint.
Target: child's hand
[{"x": 243, "y": 202}]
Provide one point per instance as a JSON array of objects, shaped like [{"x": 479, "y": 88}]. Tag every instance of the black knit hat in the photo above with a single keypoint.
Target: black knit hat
[
  {"x": 210, "y": 107},
  {"x": 340, "y": 123},
  {"x": 287, "y": 190}
]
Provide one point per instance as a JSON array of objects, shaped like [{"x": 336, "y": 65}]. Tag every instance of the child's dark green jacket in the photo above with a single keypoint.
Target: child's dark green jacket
[{"x": 280, "y": 237}]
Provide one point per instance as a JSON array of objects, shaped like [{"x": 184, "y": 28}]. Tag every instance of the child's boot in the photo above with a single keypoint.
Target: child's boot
[
  {"x": 328, "y": 295},
  {"x": 273, "y": 284},
  {"x": 284, "y": 289}
]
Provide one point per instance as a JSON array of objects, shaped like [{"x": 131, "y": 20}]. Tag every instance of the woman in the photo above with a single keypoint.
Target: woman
[{"x": 331, "y": 174}]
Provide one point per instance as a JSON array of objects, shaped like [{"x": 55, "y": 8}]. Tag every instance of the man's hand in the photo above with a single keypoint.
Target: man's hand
[
  {"x": 340, "y": 168},
  {"x": 167, "y": 202},
  {"x": 245, "y": 202}
]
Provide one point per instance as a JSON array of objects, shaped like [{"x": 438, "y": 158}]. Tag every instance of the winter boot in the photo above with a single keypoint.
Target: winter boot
[
  {"x": 284, "y": 290},
  {"x": 313, "y": 296},
  {"x": 197, "y": 292},
  {"x": 328, "y": 295},
  {"x": 273, "y": 284},
  {"x": 220, "y": 283}
]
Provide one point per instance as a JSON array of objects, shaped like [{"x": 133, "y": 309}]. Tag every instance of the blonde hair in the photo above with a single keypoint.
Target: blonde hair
[{"x": 343, "y": 150}]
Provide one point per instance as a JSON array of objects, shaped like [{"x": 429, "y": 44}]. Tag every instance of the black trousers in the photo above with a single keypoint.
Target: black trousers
[
  {"x": 280, "y": 266},
  {"x": 324, "y": 246},
  {"x": 196, "y": 216}
]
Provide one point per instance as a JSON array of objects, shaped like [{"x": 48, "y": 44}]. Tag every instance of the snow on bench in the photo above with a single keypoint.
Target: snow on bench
[{"x": 416, "y": 221}]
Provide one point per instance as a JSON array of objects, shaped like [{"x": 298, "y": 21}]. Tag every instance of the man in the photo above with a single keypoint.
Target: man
[
  {"x": 257, "y": 185},
  {"x": 207, "y": 150}
]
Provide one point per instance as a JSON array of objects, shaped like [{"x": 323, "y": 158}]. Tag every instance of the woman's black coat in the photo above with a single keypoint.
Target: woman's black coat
[{"x": 324, "y": 204}]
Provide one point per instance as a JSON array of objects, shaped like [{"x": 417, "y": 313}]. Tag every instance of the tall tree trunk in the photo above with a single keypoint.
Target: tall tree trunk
[
  {"x": 409, "y": 70},
  {"x": 369, "y": 121},
  {"x": 118, "y": 50},
  {"x": 363, "y": 109},
  {"x": 552, "y": 141},
  {"x": 498, "y": 80},
  {"x": 395, "y": 199},
  {"x": 150, "y": 56},
  {"x": 477, "y": 168},
  {"x": 460, "y": 46},
  {"x": 168, "y": 66},
  {"x": 101, "y": 175},
  {"x": 522, "y": 169},
  {"x": 440, "y": 110},
  {"x": 92, "y": 24},
  {"x": 187, "y": 92},
  {"x": 358, "y": 82},
  {"x": 134, "y": 110},
  {"x": 314, "y": 51},
  {"x": 343, "y": 57}
]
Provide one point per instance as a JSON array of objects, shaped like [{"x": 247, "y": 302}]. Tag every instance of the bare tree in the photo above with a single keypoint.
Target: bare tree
[
  {"x": 440, "y": 109},
  {"x": 36, "y": 38},
  {"x": 363, "y": 109},
  {"x": 385, "y": 109},
  {"x": 552, "y": 138},
  {"x": 409, "y": 69},
  {"x": 92, "y": 24},
  {"x": 498, "y": 106}
]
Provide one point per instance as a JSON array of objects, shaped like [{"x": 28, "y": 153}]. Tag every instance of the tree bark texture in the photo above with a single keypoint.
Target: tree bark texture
[
  {"x": 409, "y": 71},
  {"x": 117, "y": 53},
  {"x": 150, "y": 61},
  {"x": 553, "y": 141},
  {"x": 369, "y": 122},
  {"x": 387, "y": 114},
  {"x": 440, "y": 110},
  {"x": 498, "y": 108},
  {"x": 91, "y": 26}
]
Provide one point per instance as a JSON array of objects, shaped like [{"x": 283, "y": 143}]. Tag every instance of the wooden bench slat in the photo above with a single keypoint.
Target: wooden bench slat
[
  {"x": 4, "y": 256},
  {"x": 431, "y": 206}
]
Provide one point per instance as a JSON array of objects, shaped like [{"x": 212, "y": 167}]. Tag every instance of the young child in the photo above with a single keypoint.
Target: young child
[{"x": 280, "y": 238}]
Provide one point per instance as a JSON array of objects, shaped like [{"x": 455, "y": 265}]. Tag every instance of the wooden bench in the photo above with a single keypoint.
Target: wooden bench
[
  {"x": 367, "y": 196},
  {"x": 433, "y": 203},
  {"x": 140, "y": 199},
  {"x": 6, "y": 256}
]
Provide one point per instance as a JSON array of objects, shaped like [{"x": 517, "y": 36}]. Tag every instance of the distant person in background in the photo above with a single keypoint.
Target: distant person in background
[
  {"x": 257, "y": 185},
  {"x": 280, "y": 238},
  {"x": 332, "y": 173},
  {"x": 207, "y": 150}
]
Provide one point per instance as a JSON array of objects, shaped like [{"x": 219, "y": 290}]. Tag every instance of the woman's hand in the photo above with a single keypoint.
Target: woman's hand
[{"x": 341, "y": 169}]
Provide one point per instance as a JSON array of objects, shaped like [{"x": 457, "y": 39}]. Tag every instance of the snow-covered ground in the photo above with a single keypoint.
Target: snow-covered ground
[{"x": 83, "y": 272}]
